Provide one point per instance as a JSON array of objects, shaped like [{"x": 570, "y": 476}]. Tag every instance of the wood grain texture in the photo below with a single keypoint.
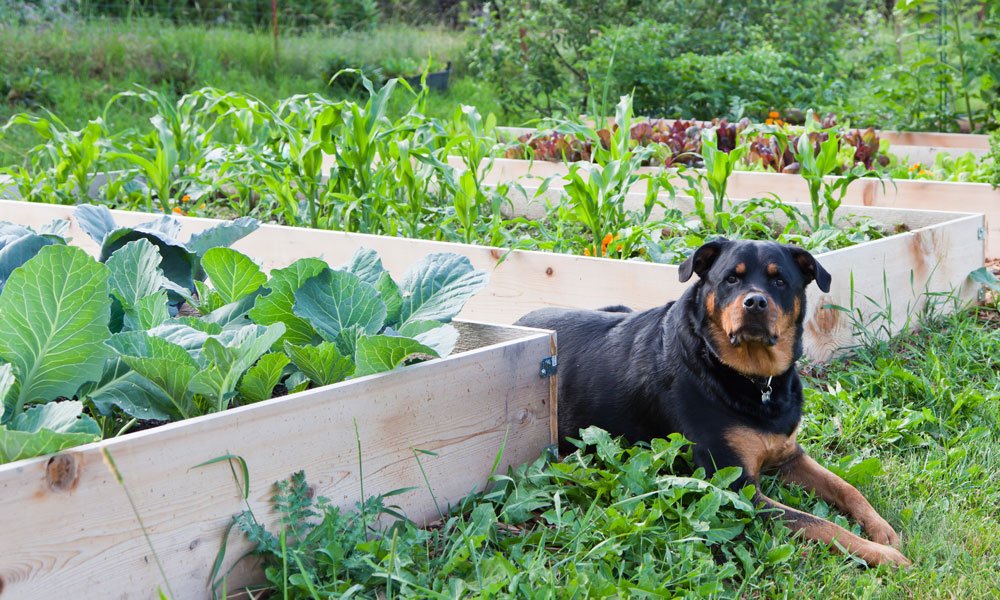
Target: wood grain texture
[
  {"x": 85, "y": 542},
  {"x": 949, "y": 141},
  {"x": 938, "y": 253}
]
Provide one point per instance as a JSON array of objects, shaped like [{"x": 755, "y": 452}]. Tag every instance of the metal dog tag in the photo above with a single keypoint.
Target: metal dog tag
[{"x": 765, "y": 394}]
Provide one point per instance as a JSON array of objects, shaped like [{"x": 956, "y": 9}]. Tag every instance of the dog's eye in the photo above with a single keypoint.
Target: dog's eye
[
  {"x": 779, "y": 282},
  {"x": 732, "y": 279}
]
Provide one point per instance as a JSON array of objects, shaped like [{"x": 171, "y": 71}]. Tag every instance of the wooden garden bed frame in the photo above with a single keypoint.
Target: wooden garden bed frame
[
  {"x": 935, "y": 256},
  {"x": 70, "y": 531},
  {"x": 939, "y": 141},
  {"x": 899, "y": 194}
]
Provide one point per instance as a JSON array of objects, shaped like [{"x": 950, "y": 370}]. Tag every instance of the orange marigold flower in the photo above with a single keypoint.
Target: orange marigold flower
[
  {"x": 607, "y": 240},
  {"x": 586, "y": 251},
  {"x": 769, "y": 121},
  {"x": 774, "y": 114},
  {"x": 914, "y": 167},
  {"x": 178, "y": 210},
  {"x": 185, "y": 198}
]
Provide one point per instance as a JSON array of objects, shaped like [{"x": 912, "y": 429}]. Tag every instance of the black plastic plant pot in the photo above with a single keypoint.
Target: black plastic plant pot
[{"x": 437, "y": 81}]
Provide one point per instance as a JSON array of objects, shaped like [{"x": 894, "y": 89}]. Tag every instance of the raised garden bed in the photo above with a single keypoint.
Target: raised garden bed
[
  {"x": 945, "y": 141},
  {"x": 76, "y": 525},
  {"x": 900, "y": 194},
  {"x": 926, "y": 143},
  {"x": 935, "y": 256}
]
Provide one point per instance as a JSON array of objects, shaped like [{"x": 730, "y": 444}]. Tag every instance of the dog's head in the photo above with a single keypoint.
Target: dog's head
[{"x": 753, "y": 296}]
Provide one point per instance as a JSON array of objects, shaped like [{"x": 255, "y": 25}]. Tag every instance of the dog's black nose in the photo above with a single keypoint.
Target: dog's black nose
[{"x": 755, "y": 303}]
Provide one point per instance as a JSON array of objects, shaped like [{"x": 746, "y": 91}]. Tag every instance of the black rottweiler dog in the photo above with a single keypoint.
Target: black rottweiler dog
[{"x": 718, "y": 366}]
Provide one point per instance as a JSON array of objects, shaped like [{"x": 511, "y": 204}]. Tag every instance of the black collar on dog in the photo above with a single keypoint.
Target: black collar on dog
[{"x": 760, "y": 382}]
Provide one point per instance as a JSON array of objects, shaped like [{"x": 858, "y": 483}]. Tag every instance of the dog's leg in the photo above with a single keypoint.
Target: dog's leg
[
  {"x": 748, "y": 451},
  {"x": 809, "y": 474},
  {"x": 821, "y": 530}
]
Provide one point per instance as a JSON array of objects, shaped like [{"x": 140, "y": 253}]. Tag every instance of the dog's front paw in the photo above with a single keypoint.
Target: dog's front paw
[
  {"x": 886, "y": 555},
  {"x": 881, "y": 532}
]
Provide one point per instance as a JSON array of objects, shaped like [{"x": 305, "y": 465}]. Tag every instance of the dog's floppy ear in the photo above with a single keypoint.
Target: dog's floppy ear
[
  {"x": 702, "y": 259},
  {"x": 810, "y": 267}
]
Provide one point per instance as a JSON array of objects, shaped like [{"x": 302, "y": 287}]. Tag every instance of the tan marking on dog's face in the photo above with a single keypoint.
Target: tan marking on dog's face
[
  {"x": 752, "y": 358},
  {"x": 741, "y": 268},
  {"x": 731, "y": 317},
  {"x": 759, "y": 451},
  {"x": 710, "y": 303},
  {"x": 782, "y": 354},
  {"x": 772, "y": 269}
]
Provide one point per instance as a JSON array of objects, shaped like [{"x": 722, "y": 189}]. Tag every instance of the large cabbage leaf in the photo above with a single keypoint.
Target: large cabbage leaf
[{"x": 54, "y": 314}]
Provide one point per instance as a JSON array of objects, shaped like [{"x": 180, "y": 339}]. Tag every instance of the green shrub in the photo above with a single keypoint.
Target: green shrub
[
  {"x": 534, "y": 54},
  {"x": 691, "y": 85},
  {"x": 355, "y": 15},
  {"x": 21, "y": 12},
  {"x": 548, "y": 56},
  {"x": 995, "y": 153},
  {"x": 29, "y": 89}
]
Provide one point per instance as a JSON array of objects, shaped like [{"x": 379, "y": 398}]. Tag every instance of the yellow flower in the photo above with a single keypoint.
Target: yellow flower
[
  {"x": 923, "y": 172},
  {"x": 201, "y": 206},
  {"x": 586, "y": 251},
  {"x": 914, "y": 167}
]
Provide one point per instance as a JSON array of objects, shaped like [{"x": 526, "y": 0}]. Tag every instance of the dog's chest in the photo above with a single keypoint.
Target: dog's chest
[{"x": 759, "y": 450}]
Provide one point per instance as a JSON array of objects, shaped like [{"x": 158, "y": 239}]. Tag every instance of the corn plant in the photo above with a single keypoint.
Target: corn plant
[
  {"x": 473, "y": 140},
  {"x": 719, "y": 167},
  {"x": 816, "y": 166},
  {"x": 305, "y": 135},
  {"x": 597, "y": 192},
  {"x": 61, "y": 168},
  {"x": 184, "y": 124}
]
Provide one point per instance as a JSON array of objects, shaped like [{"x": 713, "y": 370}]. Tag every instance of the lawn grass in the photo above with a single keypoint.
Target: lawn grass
[
  {"x": 912, "y": 423},
  {"x": 927, "y": 405},
  {"x": 86, "y": 63}
]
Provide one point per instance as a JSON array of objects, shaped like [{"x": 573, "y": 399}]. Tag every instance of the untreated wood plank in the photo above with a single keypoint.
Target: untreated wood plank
[
  {"x": 887, "y": 283},
  {"x": 85, "y": 541},
  {"x": 945, "y": 141},
  {"x": 522, "y": 281}
]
